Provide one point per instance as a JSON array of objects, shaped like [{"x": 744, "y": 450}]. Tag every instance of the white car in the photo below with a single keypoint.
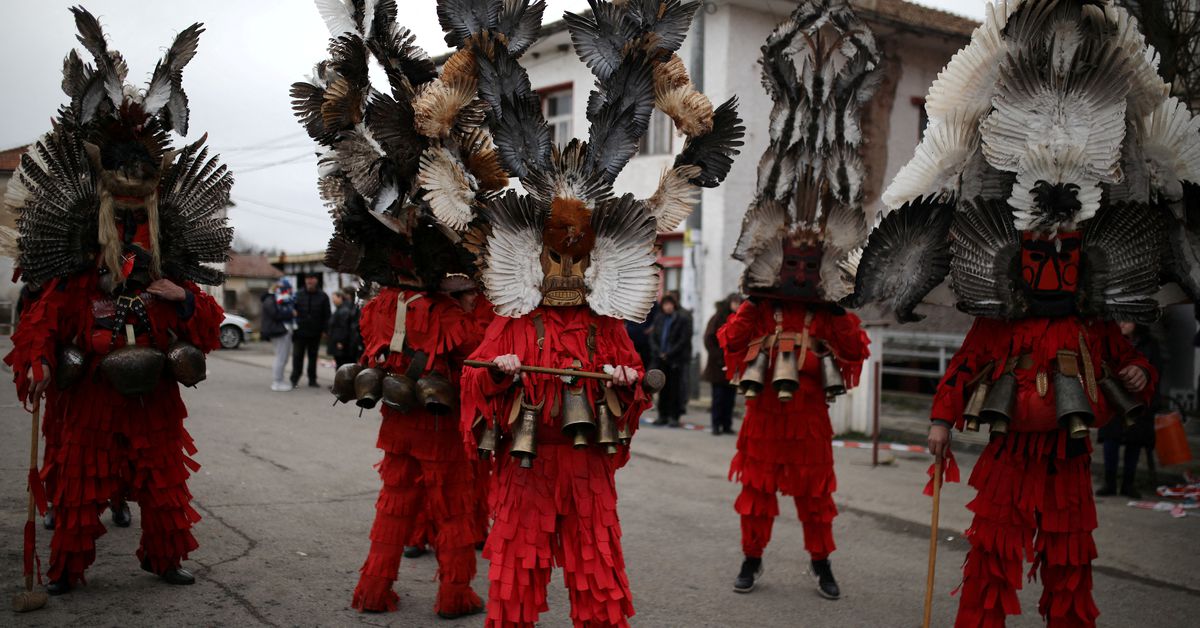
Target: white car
[{"x": 234, "y": 331}]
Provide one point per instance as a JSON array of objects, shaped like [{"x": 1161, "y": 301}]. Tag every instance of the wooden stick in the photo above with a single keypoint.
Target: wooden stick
[
  {"x": 546, "y": 370},
  {"x": 33, "y": 463},
  {"x": 933, "y": 537}
]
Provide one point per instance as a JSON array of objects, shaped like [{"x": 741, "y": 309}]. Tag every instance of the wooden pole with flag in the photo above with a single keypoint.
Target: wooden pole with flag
[{"x": 933, "y": 537}]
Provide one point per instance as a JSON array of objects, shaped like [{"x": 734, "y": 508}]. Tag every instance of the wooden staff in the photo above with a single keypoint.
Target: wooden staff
[
  {"x": 653, "y": 380},
  {"x": 30, "y": 600},
  {"x": 933, "y": 537}
]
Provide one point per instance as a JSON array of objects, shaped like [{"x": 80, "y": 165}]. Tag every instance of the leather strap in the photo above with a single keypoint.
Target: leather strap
[
  {"x": 399, "y": 330},
  {"x": 539, "y": 327},
  {"x": 808, "y": 319}
]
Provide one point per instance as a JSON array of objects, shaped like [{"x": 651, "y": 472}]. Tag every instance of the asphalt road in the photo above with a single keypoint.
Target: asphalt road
[{"x": 287, "y": 492}]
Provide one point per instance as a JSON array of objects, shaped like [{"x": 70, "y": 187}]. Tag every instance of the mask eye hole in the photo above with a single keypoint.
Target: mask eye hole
[
  {"x": 1037, "y": 256},
  {"x": 811, "y": 265}
]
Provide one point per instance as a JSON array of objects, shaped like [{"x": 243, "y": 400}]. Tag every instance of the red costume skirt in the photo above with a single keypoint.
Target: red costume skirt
[
  {"x": 786, "y": 448},
  {"x": 1034, "y": 503},
  {"x": 428, "y": 486}
]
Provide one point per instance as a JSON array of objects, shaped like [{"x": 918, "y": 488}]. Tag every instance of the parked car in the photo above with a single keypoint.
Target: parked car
[{"x": 234, "y": 331}]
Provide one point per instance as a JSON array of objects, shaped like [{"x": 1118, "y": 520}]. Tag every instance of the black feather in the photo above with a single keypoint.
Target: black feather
[
  {"x": 714, "y": 151},
  {"x": 460, "y": 19},
  {"x": 598, "y": 37},
  {"x": 520, "y": 21}
]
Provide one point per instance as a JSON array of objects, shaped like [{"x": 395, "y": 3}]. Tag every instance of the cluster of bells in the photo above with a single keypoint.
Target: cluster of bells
[
  {"x": 368, "y": 386},
  {"x": 992, "y": 402},
  {"x": 134, "y": 370},
  {"x": 785, "y": 376},
  {"x": 583, "y": 425}
]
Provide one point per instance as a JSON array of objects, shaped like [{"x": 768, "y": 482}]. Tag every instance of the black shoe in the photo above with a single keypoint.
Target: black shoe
[
  {"x": 826, "y": 585},
  {"x": 673, "y": 422},
  {"x": 176, "y": 576},
  {"x": 313, "y": 384},
  {"x": 48, "y": 520},
  {"x": 475, "y": 610},
  {"x": 414, "y": 551},
  {"x": 752, "y": 569},
  {"x": 59, "y": 587},
  {"x": 121, "y": 517},
  {"x": 1107, "y": 490},
  {"x": 660, "y": 421}
]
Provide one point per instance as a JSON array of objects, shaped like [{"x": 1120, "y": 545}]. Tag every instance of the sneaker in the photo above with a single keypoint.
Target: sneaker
[
  {"x": 826, "y": 585},
  {"x": 752, "y": 570},
  {"x": 281, "y": 387}
]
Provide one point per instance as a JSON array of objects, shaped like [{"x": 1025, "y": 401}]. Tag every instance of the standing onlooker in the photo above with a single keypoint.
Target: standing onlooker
[
  {"x": 278, "y": 319},
  {"x": 343, "y": 329},
  {"x": 1138, "y": 436},
  {"x": 312, "y": 319},
  {"x": 724, "y": 394},
  {"x": 671, "y": 343}
]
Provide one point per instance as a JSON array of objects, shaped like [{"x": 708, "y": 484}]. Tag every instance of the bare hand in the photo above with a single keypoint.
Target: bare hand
[
  {"x": 939, "y": 440},
  {"x": 167, "y": 290},
  {"x": 1134, "y": 378},
  {"x": 623, "y": 376},
  {"x": 508, "y": 364},
  {"x": 39, "y": 387}
]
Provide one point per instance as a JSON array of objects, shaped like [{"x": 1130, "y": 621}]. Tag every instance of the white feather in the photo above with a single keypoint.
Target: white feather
[
  {"x": 450, "y": 188},
  {"x": 675, "y": 197},
  {"x": 1043, "y": 164},
  {"x": 338, "y": 16},
  {"x": 938, "y": 162},
  {"x": 967, "y": 83},
  {"x": 513, "y": 276},
  {"x": 622, "y": 279},
  {"x": 1170, "y": 142}
]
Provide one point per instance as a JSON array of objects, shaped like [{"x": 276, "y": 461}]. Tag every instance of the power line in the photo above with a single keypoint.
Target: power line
[
  {"x": 289, "y": 221},
  {"x": 291, "y": 212},
  {"x": 271, "y": 164}
]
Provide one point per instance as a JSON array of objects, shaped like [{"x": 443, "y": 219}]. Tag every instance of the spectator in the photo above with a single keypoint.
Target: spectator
[
  {"x": 723, "y": 393},
  {"x": 312, "y": 319},
  {"x": 1138, "y": 436},
  {"x": 344, "y": 339},
  {"x": 278, "y": 320},
  {"x": 639, "y": 334},
  {"x": 671, "y": 344}
]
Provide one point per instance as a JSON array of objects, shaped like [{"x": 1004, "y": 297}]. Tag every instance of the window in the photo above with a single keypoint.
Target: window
[
  {"x": 659, "y": 137},
  {"x": 923, "y": 120},
  {"x": 556, "y": 108}
]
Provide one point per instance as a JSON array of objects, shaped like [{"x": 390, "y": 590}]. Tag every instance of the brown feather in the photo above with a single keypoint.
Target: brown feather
[
  {"x": 437, "y": 105},
  {"x": 342, "y": 107}
]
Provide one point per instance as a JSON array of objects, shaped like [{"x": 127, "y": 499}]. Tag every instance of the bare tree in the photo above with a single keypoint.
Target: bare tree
[{"x": 1173, "y": 28}]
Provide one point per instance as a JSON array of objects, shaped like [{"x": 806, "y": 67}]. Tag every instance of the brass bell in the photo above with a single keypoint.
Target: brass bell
[
  {"x": 998, "y": 402},
  {"x": 343, "y": 382},
  {"x": 133, "y": 369},
  {"x": 186, "y": 362},
  {"x": 486, "y": 443},
  {"x": 1126, "y": 405},
  {"x": 368, "y": 387},
  {"x": 785, "y": 378},
  {"x": 436, "y": 393},
  {"x": 524, "y": 446},
  {"x": 831, "y": 376},
  {"x": 999, "y": 426},
  {"x": 70, "y": 367},
  {"x": 751, "y": 382},
  {"x": 624, "y": 435},
  {"x": 578, "y": 422},
  {"x": 975, "y": 405},
  {"x": 606, "y": 428},
  {"x": 399, "y": 393},
  {"x": 1072, "y": 405}
]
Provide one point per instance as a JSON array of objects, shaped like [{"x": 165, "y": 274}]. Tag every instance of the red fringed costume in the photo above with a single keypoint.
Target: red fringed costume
[
  {"x": 109, "y": 441},
  {"x": 563, "y": 510},
  {"x": 785, "y": 447},
  {"x": 429, "y": 482},
  {"x": 1034, "y": 486}
]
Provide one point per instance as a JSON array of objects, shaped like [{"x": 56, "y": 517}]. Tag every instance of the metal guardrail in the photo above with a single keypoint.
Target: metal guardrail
[{"x": 907, "y": 346}]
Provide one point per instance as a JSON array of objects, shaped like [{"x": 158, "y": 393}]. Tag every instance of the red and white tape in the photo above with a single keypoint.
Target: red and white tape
[{"x": 856, "y": 444}]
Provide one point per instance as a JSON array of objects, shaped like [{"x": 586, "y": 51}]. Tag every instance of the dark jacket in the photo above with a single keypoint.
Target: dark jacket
[
  {"x": 343, "y": 329},
  {"x": 273, "y": 318},
  {"x": 1142, "y": 432},
  {"x": 714, "y": 364},
  {"x": 312, "y": 313},
  {"x": 676, "y": 350}
]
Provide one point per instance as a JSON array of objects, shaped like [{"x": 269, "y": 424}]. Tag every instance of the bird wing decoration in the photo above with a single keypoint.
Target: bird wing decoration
[
  {"x": 622, "y": 279},
  {"x": 194, "y": 231},
  {"x": 1123, "y": 246},
  {"x": 820, "y": 67},
  {"x": 907, "y": 256},
  {"x": 985, "y": 247},
  {"x": 570, "y": 176},
  {"x": 1183, "y": 235},
  {"x": 165, "y": 92},
  {"x": 512, "y": 267},
  {"x": 53, "y": 194},
  {"x": 1170, "y": 148},
  {"x": 105, "y": 89},
  {"x": 936, "y": 167}
]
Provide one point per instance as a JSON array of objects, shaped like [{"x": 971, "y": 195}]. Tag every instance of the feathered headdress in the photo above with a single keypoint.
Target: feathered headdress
[
  {"x": 112, "y": 140},
  {"x": 390, "y": 161},
  {"x": 1053, "y": 169},
  {"x": 569, "y": 238},
  {"x": 803, "y": 231}
]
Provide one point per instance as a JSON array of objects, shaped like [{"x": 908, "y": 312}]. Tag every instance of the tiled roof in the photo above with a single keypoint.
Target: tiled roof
[
  {"x": 910, "y": 14},
  {"x": 254, "y": 266},
  {"x": 11, "y": 158}
]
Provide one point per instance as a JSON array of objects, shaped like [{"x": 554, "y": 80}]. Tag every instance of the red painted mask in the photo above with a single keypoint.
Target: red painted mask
[
  {"x": 800, "y": 274},
  {"x": 1050, "y": 269}
]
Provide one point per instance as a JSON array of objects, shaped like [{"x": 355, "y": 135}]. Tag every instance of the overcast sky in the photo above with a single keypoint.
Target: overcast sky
[{"x": 237, "y": 84}]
